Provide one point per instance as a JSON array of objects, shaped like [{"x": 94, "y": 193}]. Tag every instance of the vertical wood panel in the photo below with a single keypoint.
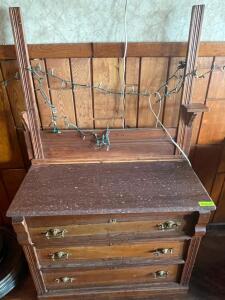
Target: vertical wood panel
[
  {"x": 153, "y": 73},
  {"x": 217, "y": 84},
  {"x": 12, "y": 179},
  {"x": 220, "y": 212},
  {"x": 132, "y": 81},
  {"x": 44, "y": 111},
  {"x": 81, "y": 73},
  {"x": 10, "y": 154},
  {"x": 213, "y": 124},
  {"x": 4, "y": 203},
  {"x": 205, "y": 162},
  {"x": 221, "y": 168},
  {"x": 6, "y": 152},
  {"x": 61, "y": 98},
  {"x": 200, "y": 88},
  {"x": 108, "y": 109},
  {"x": 208, "y": 162},
  {"x": 14, "y": 90},
  {"x": 200, "y": 85},
  {"x": 172, "y": 104},
  {"x": 217, "y": 187}
]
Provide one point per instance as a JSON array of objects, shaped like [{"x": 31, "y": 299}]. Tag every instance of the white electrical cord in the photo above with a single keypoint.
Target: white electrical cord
[
  {"x": 124, "y": 61},
  {"x": 160, "y": 107},
  {"x": 125, "y": 47},
  {"x": 166, "y": 130},
  {"x": 157, "y": 116}
]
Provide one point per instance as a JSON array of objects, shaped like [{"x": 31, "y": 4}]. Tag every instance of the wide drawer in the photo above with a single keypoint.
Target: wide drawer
[
  {"x": 155, "y": 250},
  {"x": 89, "y": 228},
  {"x": 67, "y": 279}
]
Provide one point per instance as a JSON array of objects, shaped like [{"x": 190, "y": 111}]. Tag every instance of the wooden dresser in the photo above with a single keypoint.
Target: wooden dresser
[
  {"x": 105, "y": 231},
  {"x": 119, "y": 224}
]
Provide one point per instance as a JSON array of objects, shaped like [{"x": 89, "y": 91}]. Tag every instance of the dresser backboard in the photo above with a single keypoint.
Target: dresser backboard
[{"x": 92, "y": 113}]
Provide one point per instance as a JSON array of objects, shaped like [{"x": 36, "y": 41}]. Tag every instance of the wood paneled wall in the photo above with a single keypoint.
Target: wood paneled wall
[
  {"x": 92, "y": 109},
  {"x": 147, "y": 66}
]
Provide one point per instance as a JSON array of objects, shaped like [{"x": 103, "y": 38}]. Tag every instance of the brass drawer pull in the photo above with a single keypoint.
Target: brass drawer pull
[
  {"x": 160, "y": 274},
  {"x": 168, "y": 225},
  {"x": 65, "y": 279},
  {"x": 112, "y": 221},
  {"x": 59, "y": 255},
  {"x": 162, "y": 251},
  {"x": 54, "y": 233}
]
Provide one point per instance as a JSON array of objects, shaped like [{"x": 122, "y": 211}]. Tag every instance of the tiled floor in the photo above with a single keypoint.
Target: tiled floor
[{"x": 208, "y": 280}]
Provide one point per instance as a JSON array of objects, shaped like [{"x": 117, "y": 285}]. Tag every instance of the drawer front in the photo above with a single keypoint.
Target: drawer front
[
  {"x": 108, "y": 226},
  {"x": 76, "y": 279},
  {"x": 156, "y": 250}
]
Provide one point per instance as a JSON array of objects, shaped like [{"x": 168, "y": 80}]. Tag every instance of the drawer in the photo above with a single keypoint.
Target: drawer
[
  {"x": 94, "y": 227},
  {"x": 156, "y": 250},
  {"x": 103, "y": 277}
]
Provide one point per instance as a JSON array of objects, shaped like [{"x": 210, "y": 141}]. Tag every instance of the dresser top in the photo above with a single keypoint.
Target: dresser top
[{"x": 97, "y": 188}]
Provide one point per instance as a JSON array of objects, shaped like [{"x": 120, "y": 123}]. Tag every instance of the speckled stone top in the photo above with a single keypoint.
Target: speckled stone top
[{"x": 135, "y": 187}]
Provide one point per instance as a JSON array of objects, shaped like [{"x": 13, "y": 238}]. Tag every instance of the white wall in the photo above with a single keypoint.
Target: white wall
[{"x": 63, "y": 21}]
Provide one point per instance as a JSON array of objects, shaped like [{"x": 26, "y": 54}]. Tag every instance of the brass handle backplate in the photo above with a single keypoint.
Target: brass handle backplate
[
  {"x": 59, "y": 255},
  {"x": 112, "y": 221},
  {"x": 65, "y": 279},
  {"x": 168, "y": 225},
  {"x": 54, "y": 233},
  {"x": 162, "y": 251},
  {"x": 160, "y": 274}
]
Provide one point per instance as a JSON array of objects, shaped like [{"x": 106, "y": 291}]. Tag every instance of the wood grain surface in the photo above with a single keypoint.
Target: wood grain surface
[
  {"x": 109, "y": 277},
  {"x": 99, "y": 184},
  {"x": 208, "y": 128},
  {"x": 120, "y": 252},
  {"x": 160, "y": 49}
]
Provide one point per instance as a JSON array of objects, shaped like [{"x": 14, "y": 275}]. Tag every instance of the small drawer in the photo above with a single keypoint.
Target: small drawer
[
  {"x": 155, "y": 250},
  {"x": 67, "y": 279},
  {"x": 94, "y": 227}
]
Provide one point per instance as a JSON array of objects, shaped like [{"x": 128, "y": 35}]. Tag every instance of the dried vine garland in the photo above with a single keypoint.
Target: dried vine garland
[{"x": 104, "y": 141}]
